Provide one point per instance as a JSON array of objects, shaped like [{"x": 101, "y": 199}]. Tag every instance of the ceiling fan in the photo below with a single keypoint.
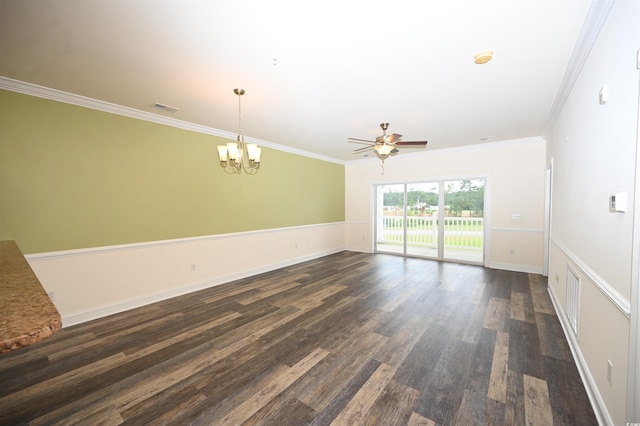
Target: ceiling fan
[{"x": 385, "y": 145}]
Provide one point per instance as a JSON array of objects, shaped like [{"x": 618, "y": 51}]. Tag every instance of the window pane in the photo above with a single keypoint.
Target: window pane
[
  {"x": 422, "y": 219},
  {"x": 464, "y": 220},
  {"x": 390, "y": 218}
]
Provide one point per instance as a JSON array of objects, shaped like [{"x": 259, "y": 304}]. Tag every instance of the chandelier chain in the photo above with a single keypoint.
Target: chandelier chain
[{"x": 240, "y": 116}]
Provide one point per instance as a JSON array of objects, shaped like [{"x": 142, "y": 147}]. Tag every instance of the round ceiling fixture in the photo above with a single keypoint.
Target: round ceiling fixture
[{"x": 483, "y": 57}]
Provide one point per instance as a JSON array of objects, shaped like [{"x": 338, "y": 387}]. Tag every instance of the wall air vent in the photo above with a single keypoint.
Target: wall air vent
[{"x": 573, "y": 299}]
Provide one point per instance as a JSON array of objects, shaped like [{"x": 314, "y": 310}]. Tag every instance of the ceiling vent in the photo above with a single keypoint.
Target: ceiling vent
[{"x": 164, "y": 107}]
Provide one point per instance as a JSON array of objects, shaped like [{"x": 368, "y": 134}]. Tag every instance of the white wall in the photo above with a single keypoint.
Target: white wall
[
  {"x": 515, "y": 172},
  {"x": 593, "y": 148},
  {"x": 93, "y": 283}
]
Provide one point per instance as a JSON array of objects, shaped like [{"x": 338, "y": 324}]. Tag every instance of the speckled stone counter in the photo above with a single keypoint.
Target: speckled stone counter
[{"x": 27, "y": 314}]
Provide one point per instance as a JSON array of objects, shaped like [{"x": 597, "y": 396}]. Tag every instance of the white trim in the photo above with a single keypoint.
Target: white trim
[
  {"x": 600, "y": 283},
  {"x": 135, "y": 246},
  {"x": 110, "y": 309},
  {"x": 528, "y": 269},
  {"x": 356, "y": 222},
  {"x": 83, "y": 101},
  {"x": 548, "y": 182},
  {"x": 359, "y": 250},
  {"x": 599, "y": 407},
  {"x": 535, "y": 230},
  {"x": 633, "y": 387},
  {"x": 488, "y": 188},
  {"x": 593, "y": 23}
]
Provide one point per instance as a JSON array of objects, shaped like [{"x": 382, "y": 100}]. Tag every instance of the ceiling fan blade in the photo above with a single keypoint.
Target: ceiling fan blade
[
  {"x": 410, "y": 143},
  {"x": 384, "y": 143},
  {"x": 363, "y": 149},
  {"x": 356, "y": 140},
  {"x": 393, "y": 138},
  {"x": 365, "y": 143}
]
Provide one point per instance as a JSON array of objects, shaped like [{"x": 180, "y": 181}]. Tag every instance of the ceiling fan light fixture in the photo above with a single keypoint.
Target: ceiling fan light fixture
[
  {"x": 483, "y": 57},
  {"x": 383, "y": 150},
  {"x": 385, "y": 145}
]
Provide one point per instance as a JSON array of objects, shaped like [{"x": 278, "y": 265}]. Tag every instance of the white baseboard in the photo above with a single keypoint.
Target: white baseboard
[
  {"x": 125, "y": 305},
  {"x": 115, "y": 308},
  {"x": 515, "y": 268},
  {"x": 599, "y": 407},
  {"x": 358, "y": 249}
]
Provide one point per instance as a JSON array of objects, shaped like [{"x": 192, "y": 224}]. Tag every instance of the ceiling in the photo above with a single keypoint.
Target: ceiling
[{"x": 315, "y": 73}]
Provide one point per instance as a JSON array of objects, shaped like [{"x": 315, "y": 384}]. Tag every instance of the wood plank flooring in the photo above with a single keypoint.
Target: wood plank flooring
[{"x": 346, "y": 339}]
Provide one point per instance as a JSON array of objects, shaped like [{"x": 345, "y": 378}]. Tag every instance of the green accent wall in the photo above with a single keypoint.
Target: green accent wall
[{"x": 74, "y": 177}]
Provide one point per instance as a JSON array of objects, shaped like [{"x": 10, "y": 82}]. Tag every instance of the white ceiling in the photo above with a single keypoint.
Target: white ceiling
[{"x": 341, "y": 66}]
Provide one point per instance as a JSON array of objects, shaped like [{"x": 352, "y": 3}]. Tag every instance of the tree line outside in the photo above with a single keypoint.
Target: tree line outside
[{"x": 462, "y": 198}]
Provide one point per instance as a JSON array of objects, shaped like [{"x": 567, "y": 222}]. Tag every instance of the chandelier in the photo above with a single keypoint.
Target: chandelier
[{"x": 238, "y": 156}]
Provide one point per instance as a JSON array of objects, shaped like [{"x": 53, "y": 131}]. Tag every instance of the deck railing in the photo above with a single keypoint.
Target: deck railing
[{"x": 459, "y": 232}]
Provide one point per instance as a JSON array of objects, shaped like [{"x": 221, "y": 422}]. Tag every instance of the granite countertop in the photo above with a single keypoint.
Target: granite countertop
[{"x": 27, "y": 314}]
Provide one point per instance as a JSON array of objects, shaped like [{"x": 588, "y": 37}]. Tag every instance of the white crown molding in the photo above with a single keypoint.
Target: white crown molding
[
  {"x": 594, "y": 21},
  {"x": 83, "y": 101}
]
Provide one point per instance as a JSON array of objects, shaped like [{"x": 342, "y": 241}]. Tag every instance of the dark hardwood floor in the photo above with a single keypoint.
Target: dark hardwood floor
[{"x": 347, "y": 339}]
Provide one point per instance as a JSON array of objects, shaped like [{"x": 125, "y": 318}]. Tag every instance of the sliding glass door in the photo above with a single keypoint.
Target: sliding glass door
[
  {"x": 441, "y": 220},
  {"x": 422, "y": 219},
  {"x": 390, "y": 215},
  {"x": 464, "y": 220}
]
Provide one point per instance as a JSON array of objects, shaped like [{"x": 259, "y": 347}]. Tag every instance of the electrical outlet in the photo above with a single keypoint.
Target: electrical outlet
[
  {"x": 52, "y": 295},
  {"x": 609, "y": 372},
  {"x": 512, "y": 251},
  {"x": 193, "y": 267}
]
